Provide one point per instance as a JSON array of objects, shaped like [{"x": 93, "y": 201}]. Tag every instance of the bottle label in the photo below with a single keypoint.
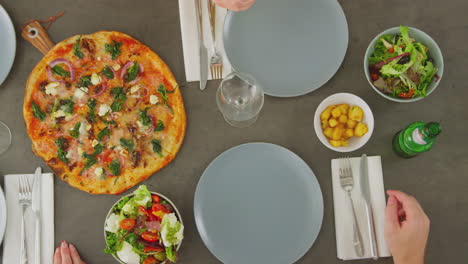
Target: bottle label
[{"x": 418, "y": 137}]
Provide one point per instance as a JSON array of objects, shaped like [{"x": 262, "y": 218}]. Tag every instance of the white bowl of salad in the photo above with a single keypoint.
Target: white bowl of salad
[
  {"x": 143, "y": 228},
  {"x": 403, "y": 64}
]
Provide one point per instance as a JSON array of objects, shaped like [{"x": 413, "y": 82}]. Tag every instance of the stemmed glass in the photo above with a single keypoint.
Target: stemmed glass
[
  {"x": 5, "y": 137},
  {"x": 240, "y": 99}
]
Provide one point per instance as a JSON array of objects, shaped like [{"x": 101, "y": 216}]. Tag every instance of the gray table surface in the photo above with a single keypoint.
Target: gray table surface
[{"x": 437, "y": 178}]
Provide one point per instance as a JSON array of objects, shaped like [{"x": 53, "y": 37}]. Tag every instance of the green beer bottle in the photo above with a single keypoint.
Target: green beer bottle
[{"x": 417, "y": 138}]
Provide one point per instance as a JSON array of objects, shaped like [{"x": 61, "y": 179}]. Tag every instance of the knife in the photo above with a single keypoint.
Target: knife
[
  {"x": 365, "y": 190},
  {"x": 36, "y": 208},
  {"x": 203, "y": 52}
]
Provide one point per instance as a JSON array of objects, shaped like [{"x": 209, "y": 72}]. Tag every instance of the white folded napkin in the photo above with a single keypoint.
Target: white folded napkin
[
  {"x": 343, "y": 213},
  {"x": 188, "y": 25},
  {"x": 12, "y": 241}
]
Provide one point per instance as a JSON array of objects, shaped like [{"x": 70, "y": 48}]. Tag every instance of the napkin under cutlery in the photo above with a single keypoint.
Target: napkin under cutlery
[
  {"x": 11, "y": 243},
  {"x": 343, "y": 215},
  {"x": 188, "y": 25}
]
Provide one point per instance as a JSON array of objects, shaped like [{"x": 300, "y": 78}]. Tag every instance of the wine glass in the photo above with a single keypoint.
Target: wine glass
[
  {"x": 240, "y": 99},
  {"x": 5, "y": 137}
]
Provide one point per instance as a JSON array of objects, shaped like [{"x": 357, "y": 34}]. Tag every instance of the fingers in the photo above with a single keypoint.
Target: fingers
[
  {"x": 235, "y": 5},
  {"x": 57, "y": 256},
  {"x": 65, "y": 252},
  {"x": 392, "y": 221},
  {"x": 409, "y": 204},
  {"x": 74, "y": 255}
]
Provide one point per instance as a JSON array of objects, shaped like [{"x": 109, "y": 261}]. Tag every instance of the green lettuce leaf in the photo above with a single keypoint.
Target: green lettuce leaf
[
  {"x": 170, "y": 254},
  {"x": 427, "y": 76},
  {"x": 171, "y": 230},
  {"x": 394, "y": 69},
  {"x": 140, "y": 197},
  {"x": 380, "y": 51},
  {"x": 114, "y": 241}
]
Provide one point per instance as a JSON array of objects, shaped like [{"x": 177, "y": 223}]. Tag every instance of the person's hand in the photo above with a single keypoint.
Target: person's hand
[
  {"x": 235, "y": 5},
  {"x": 67, "y": 254},
  {"x": 406, "y": 228}
]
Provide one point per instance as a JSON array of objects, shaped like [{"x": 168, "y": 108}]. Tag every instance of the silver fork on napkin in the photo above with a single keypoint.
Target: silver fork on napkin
[
  {"x": 25, "y": 198},
  {"x": 216, "y": 60},
  {"x": 347, "y": 183}
]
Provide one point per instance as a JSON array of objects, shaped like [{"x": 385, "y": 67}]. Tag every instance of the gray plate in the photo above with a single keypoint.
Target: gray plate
[
  {"x": 291, "y": 47},
  {"x": 7, "y": 45},
  {"x": 3, "y": 214},
  {"x": 258, "y": 203}
]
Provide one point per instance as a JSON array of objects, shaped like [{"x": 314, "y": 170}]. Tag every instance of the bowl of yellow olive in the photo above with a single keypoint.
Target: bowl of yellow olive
[{"x": 343, "y": 122}]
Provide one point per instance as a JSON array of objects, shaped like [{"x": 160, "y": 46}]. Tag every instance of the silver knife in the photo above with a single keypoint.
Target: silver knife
[
  {"x": 365, "y": 189},
  {"x": 203, "y": 52},
  {"x": 36, "y": 208}
]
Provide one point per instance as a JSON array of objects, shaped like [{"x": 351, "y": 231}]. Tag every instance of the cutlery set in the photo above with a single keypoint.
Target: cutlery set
[
  {"x": 30, "y": 196},
  {"x": 347, "y": 184},
  {"x": 216, "y": 60}
]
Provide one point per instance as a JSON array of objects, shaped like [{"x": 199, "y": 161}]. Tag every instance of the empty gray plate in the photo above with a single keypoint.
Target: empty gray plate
[
  {"x": 7, "y": 45},
  {"x": 291, "y": 47},
  {"x": 258, "y": 203}
]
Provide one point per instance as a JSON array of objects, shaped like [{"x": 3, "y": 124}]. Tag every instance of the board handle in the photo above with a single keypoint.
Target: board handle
[{"x": 37, "y": 35}]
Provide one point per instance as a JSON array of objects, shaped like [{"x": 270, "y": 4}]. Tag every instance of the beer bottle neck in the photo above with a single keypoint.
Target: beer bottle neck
[{"x": 431, "y": 130}]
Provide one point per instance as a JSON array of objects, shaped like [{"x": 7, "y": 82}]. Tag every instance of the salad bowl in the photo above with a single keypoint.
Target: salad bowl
[
  {"x": 433, "y": 54},
  {"x": 121, "y": 203}
]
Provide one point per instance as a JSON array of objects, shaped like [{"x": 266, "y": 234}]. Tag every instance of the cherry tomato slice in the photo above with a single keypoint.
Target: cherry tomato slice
[
  {"x": 156, "y": 199},
  {"x": 391, "y": 50},
  {"x": 159, "y": 214},
  {"x": 158, "y": 207},
  {"x": 153, "y": 249},
  {"x": 374, "y": 76},
  {"x": 409, "y": 94},
  {"x": 150, "y": 237},
  {"x": 150, "y": 259},
  {"x": 127, "y": 223}
]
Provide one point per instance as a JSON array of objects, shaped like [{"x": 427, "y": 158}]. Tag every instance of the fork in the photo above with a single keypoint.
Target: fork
[
  {"x": 25, "y": 199},
  {"x": 347, "y": 183},
  {"x": 216, "y": 61}
]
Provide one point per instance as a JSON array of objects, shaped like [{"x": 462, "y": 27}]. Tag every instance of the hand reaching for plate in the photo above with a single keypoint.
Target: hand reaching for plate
[
  {"x": 67, "y": 254},
  {"x": 406, "y": 228},
  {"x": 235, "y": 5}
]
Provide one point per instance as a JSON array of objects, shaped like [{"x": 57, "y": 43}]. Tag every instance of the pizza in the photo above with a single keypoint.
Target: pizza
[{"x": 104, "y": 111}]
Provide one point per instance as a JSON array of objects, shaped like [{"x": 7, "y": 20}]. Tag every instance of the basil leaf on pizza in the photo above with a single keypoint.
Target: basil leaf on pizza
[
  {"x": 114, "y": 167},
  {"x": 92, "y": 110},
  {"x": 159, "y": 126},
  {"x": 106, "y": 71},
  {"x": 103, "y": 133},
  {"x": 58, "y": 70},
  {"x": 144, "y": 118},
  {"x": 127, "y": 144},
  {"x": 77, "y": 49},
  {"x": 37, "y": 112},
  {"x": 62, "y": 143},
  {"x": 113, "y": 49},
  {"x": 67, "y": 105},
  {"x": 132, "y": 72},
  {"x": 157, "y": 148},
  {"x": 85, "y": 81},
  {"x": 75, "y": 131}
]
